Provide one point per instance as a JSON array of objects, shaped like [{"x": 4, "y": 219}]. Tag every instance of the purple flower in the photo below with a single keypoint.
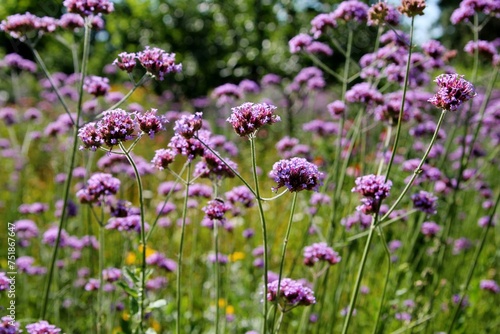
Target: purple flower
[
  {"x": 382, "y": 13},
  {"x": 111, "y": 275},
  {"x": 403, "y": 316},
  {"x": 321, "y": 22},
  {"x": 150, "y": 123},
  {"x": 242, "y": 195},
  {"x": 158, "y": 63},
  {"x": 162, "y": 262},
  {"x": 249, "y": 117},
  {"x": 363, "y": 93},
  {"x": 336, "y": 108},
  {"x": 95, "y": 85},
  {"x": 271, "y": 79},
  {"x": 188, "y": 125},
  {"x": 461, "y": 244},
  {"x": 126, "y": 61},
  {"x": 200, "y": 190},
  {"x": 412, "y": 7},
  {"x": 4, "y": 282},
  {"x": 425, "y": 202},
  {"x": 25, "y": 229},
  {"x": 213, "y": 167},
  {"x": 299, "y": 42},
  {"x": 15, "y": 61},
  {"x": 292, "y": 293},
  {"x": 42, "y": 327},
  {"x": 320, "y": 252},
  {"x": 214, "y": 213},
  {"x": 220, "y": 258},
  {"x": 8, "y": 325},
  {"x": 98, "y": 186},
  {"x": 163, "y": 157},
  {"x": 296, "y": 174},
  {"x": 374, "y": 189},
  {"x": 20, "y": 26},
  {"x": 50, "y": 237},
  {"x": 249, "y": 86},
  {"x": 156, "y": 283},
  {"x": 453, "y": 91},
  {"x": 489, "y": 285},
  {"x": 129, "y": 223},
  {"x": 170, "y": 186},
  {"x": 227, "y": 93},
  {"x": 484, "y": 48},
  {"x": 71, "y": 21},
  {"x": 89, "y": 7},
  {"x": 468, "y": 8},
  {"x": 430, "y": 229},
  {"x": 486, "y": 221},
  {"x": 351, "y": 10}
]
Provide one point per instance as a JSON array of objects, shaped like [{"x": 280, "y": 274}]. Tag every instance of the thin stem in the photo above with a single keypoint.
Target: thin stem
[
  {"x": 386, "y": 282},
  {"x": 418, "y": 169},
  {"x": 361, "y": 269},
  {"x": 181, "y": 250},
  {"x": 474, "y": 262},
  {"x": 264, "y": 229},
  {"x": 101, "y": 279},
  {"x": 403, "y": 101},
  {"x": 327, "y": 69},
  {"x": 217, "y": 276},
  {"x": 283, "y": 251},
  {"x": 86, "y": 47},
  {"x": 142, "y": 292}
]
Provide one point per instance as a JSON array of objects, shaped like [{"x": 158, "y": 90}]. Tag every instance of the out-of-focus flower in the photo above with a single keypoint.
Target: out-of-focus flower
[
  {"x": 489, "y": 285},
  {"x": 89, "y": 7},
  {"x": 95, "y": 85},
  {"x": 291, "y": 293},
  {"x": 430, "y": 229},
  {"x": 98, "y": 186},
  {"x": 320, "y": 252},
  {"x": 158, "y": 63},
  {"x": 425, "y": 202}
]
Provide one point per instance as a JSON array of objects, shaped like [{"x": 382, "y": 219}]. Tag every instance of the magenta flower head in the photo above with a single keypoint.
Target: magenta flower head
[
  {"x": 374, "y": 189},
  {"x": 126, "y": 61},
  {"x": 320, "y": 252},
  {"x": 489, "y": 285},
  {"x": 292, "y": 293},
  {"x": 187, "y": 126},
  {"x": 214, "y": 212},
  {"x": 163, "y": 157},
  {"x": 296, "y": 174},
  {"x": 299, "y": 42},
  {"x": 430, "y": 229},
  {"x": 8, "y": 325},
  {"x": 116, "y": 125},
  {"x": 21, "y": 26},
  {"x": 158, "y": 63},
  {"x": 89, "y": 7},
  {"x": 250, "y": 117},
  {"x": 98, "y": 185},
  {"x": 425, "y": 202},
  {"x": 4, "y": 282},
  {"x": 351, "y": 10},
  {"x": 95, "y": 85},
  {"x": 150, "y": 123},
  {"x": 42, "y": 327},
  {"x": 453, "y": 91}
]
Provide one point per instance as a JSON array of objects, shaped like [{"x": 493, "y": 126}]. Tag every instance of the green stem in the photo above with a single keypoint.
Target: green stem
[
  {"x": 283, "y": 251},
  {"x": 86, "y": 47},
  {"x": 142, "y": 292},
  {"x": 418, "y": 170},
  {"x": 101, "y": 279},
  {"x": 386, "y": 282},
  {"x": 217, "y": 276},
  {"x": 403, "y": 101},
  {"x": 357, "y": 283},
  {"x": 264, "y": 229},
  {"x": 474, "y": 262},
  {"x": 181, "y": 250}
]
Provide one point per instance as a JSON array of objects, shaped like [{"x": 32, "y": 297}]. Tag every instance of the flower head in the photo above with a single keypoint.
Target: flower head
[
  {"x": 430, "y": 229},
  {"x": 42, "y": 327},
  {"x": 126, "y": 61},
  {"x": 188, "y": 125},
  {"x": 89, "y": 7},
  {"x": 98, "y": 185},
  {"x": 320, "y": 252},
  {"x": 453, "y": 91},
  {"x": 158, "y": 63},
  {"x": 425, "y": 202},
  {"x": 22, "y": 25},
  {"x": 412, "y": 7},
  {"x": 95, "y": 85},
  {"x": 116, "y": 125},
  {"x": 374, "y": 189},
  {"x": 296, "y": 174},
  {"x": 489, "y": 285},
  {"x": 351, "y": 10},
  {"x": 291, "y": 293},
  {"x": 150, "y": 123},
  {"x": 163, "y": 157},
  {"x": 249, "y": 117}
]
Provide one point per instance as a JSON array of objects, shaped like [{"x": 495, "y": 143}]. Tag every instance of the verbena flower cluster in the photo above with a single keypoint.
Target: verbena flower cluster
[
  {"x": 292, "y": 293},
  {"x": 453, "y": 91},
  {"x": 250, "y": 117},
  {"x": 320, "y": 252},
  {"x": 296, "y": 174},
  {"x": 374, "y": 189},
  {"x": 89, "y": 7},
  {"x": 98, "y": 186}
]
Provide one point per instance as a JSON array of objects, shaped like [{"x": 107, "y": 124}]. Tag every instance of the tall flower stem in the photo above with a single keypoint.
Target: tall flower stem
[
  {"x": 403, "y": 101},
  {"x": 142, "y": 291},
  {"x": 417, "y": 170},
  {"x": 283, "y": 251},
  {"x": 361, "y": 269},
  {"x": 101, "y": 280},
  {"x": 86, "y": 51},
  {"x": 386, "y": 282},
  {"x": 217, "y": 276},
  {"x": 181, "y": 250},
  {"x": 264, "y": 229}
]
